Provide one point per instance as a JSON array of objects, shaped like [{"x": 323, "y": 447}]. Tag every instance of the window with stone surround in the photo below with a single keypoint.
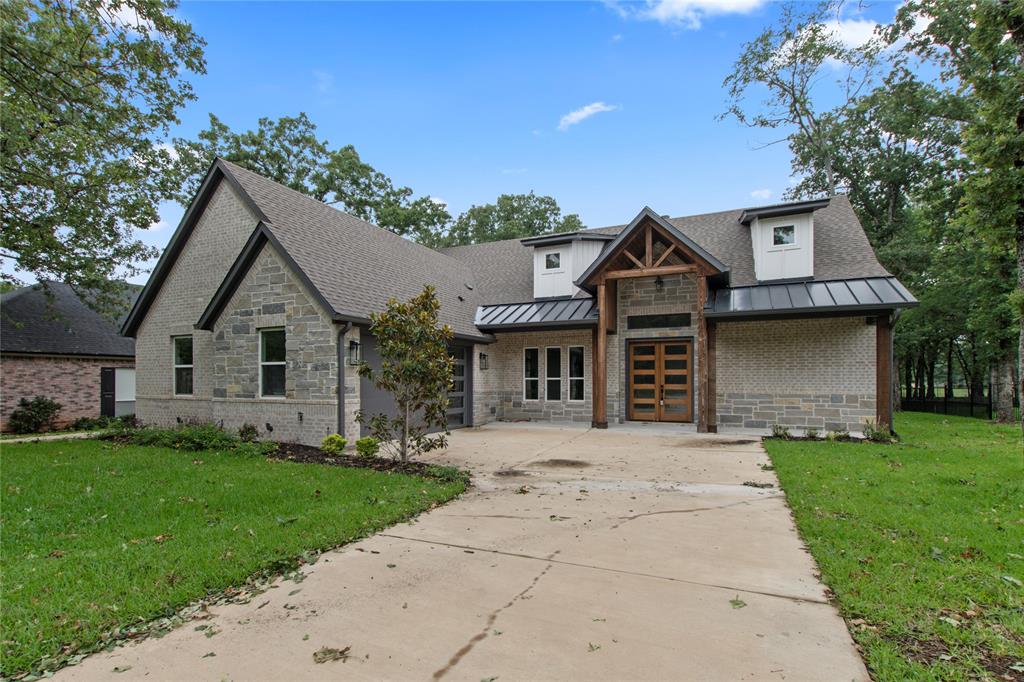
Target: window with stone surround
[
  {"x": 183, "y": 366},
  {"x": 576, "y": 387},
  {"x": 553, "y": 372},
  {"x": 531, "y": 374},
  {"x": 272, "y": 363}
]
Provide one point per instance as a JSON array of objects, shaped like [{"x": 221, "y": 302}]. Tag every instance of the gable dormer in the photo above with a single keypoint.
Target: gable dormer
[
  {"x": 782, "y": 239},
  {"x": 559, "y": 260}
]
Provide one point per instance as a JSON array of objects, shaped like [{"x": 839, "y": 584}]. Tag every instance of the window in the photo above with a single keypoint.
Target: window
[
  {"x": 531, "y": 374},
  {"x": 658, "y": 321},
  {"x": 783, "y": 235},
  {"x": 553, "y": 372},
  {"x": 575, "y": 372},
  {"x": 182, "y": 365},
  {"x": 553, "y": 261},
  {"x": 272, "y": 363}
]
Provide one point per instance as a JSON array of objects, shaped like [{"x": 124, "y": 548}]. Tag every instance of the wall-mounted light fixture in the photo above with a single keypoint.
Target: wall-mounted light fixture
[
  {"x": 354, "y": 354},
  {"x": 485, "y": 361},
  {"x": 659, "y": 283}
]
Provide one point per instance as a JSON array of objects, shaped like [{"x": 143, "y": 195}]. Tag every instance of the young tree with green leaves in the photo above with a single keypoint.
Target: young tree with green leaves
[
  {"x": 416, "y": 369},
  {"x": 288, "y": 151},
  {"x": 512, "y": 216},
  {"x": 89, "y": 87}
]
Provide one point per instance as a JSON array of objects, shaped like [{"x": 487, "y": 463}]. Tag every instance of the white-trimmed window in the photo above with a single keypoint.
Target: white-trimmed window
[
  {"x": 183, "y": 365},
  {"x": 576, "y": 385},
  {"x": 784, "y": 235},
  {"x": 553, "y": 261},
  {"x": 272, "y": 363},
  {"x": 553, "y": 373},
  {"x": 531, "y": 374}
]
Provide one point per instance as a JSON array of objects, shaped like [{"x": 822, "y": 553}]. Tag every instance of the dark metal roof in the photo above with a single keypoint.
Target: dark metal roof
[
  {"x": 791, "y": 208},
  {"x": 795, "y": 298},
  {"x": 564, "y": 313}
]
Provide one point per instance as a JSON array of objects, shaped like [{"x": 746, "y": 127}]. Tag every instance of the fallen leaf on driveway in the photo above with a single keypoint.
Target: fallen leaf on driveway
[
  {"x": 328, "y": 654},
  {"x": 122, "y": 668}
]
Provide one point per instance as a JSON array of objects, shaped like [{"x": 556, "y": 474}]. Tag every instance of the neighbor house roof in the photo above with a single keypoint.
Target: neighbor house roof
[{"x": 60, "y": 324}]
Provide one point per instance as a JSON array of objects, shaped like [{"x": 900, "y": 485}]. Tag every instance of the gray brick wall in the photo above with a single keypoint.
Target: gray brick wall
[{"x": 803, "y": 373}]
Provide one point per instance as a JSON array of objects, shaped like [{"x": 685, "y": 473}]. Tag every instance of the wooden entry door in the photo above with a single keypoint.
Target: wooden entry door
[{"x": 660, "y": 386}]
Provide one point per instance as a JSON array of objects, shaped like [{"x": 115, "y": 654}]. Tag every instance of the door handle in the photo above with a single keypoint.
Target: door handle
[{"x": 661, "y": 392}]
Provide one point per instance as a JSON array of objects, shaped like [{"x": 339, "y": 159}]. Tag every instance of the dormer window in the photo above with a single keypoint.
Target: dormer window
[
  {"x": 783, "y": 235},
  {"x": 553, "y": 261}
]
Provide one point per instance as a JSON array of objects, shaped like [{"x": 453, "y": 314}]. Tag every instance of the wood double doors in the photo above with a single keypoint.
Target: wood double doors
[{"x": 660, "y": 380}]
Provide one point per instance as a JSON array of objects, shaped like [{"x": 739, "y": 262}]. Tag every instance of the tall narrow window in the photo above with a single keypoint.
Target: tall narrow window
[
  {"x": 575, "y": 372},
  {"x": 531, "y": 374},
  {"x": 272, "y": 363},
  {"x": 183, "y": 366},
  {"x": 553, "y": 372}
]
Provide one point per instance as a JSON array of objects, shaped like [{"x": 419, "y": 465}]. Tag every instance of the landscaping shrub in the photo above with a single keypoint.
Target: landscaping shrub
[
  {"x": 333, "y": 444},
  {"x": 96, "y": 423},
  {"x": 840, "y": 435},
  {"x": 34, "y": 416},
  {"x": 248, "y": 433},
  {"x": 877, "y": 433},
  {"x": 367, "y": 446},
  {"x": 185, "y": 437},
  {"x": 780, "y": 431},
  {"x": 811, "y": 433}
]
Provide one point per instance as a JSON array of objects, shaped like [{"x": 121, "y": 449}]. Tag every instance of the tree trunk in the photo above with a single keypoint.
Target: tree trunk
[
  {"x": 405, "y": 436},
  {"x": 907, "y": 379},
  {"x": 930, "y": 378},
  {"x": 949, "y": 370},
  {"x": 1002, "y": 387}
]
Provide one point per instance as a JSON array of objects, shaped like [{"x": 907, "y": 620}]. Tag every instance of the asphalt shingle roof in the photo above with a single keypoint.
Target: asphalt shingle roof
[{"x": 30, "y": 322}]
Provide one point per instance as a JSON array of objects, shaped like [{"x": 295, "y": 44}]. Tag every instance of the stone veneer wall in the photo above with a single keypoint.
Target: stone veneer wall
[
  {"x": 642, "y": 296},
  {"x": 804, "y": 373},
  {"x": 498, "y": 391},
  {"x": 74, "y": 382}
]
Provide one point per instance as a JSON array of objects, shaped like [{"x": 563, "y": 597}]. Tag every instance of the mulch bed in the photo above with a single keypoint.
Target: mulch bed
[{"x": 308, "y": 454}]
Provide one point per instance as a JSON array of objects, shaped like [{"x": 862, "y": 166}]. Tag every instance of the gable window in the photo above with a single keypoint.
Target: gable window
[
  {"x": 783, "y": 235},
  {"x": 553, "y": 372},
  {"x": 272, "y": 367},
  {"x": 575, "y": 372},
  {"x": 552, "y": 261},
  {"x": 183, "y": 366},
  {"x": 531, "y": 374}
]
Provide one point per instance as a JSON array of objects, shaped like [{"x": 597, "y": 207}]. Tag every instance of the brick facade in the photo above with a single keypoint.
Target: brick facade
[
  {"x": 804, "y": 373},
  {"x": 72, "y": 381}
]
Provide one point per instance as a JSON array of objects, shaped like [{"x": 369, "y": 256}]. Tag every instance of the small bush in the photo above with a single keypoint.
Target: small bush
[
  {"x": 780, "y": 431},
  {"x": 93, "y": 423},
  {"x": 261, "y": 448},
  {"x": 835, "y": 436},
  {"x": 333, "y": 444},
  {"x": 367, "y": 447},
  {"x": 34, "y": 416},
  {"x": 811, "y": 433},
  {"x": 185, "y": 437},
  {"x": 877, "y": 433},
  {"x": 129, "y": 421},
  {"x": 248, "y": 433}
]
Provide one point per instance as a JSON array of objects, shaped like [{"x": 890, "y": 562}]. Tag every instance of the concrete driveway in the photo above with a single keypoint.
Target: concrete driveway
[{"x": 633, "y": 553}]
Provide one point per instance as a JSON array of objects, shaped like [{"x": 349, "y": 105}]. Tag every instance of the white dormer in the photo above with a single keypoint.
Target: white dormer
[
  {"x": 559, "y": 260},
  {"x": 782, "y": 238}
]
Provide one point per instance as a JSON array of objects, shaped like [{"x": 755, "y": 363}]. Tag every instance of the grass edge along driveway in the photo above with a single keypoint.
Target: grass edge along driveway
[
  {"x": 98, "y": 537},
  {"x": 922, "y": 543}
]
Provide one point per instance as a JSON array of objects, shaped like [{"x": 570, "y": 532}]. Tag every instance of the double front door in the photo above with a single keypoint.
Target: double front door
[{"x": 659, "y": 378}]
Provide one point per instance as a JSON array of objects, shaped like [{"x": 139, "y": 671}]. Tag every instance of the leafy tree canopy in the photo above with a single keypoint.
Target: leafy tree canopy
[
  {"x": 513, "y": 216},
  {"x": 89, "y": 86}
]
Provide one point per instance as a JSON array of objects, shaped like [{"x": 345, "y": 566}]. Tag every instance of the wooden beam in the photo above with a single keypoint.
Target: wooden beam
[
  {"x": 702, "y": 356},
  {"x": 649, "y": 246},
  {"x": 668, "y": 251},
  {"x": 600, "y": 382},
  {"x": 613, "y": 306},
  {"x": 653, "y": 272},
  {"x": 633, "y": 258},
  {"x": 883, "y": 372},
  {"x": 712, "y": 361}
]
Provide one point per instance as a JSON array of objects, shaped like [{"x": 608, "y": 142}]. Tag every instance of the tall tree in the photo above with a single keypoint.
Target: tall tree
[
  {"x": 88, "y": 87},
  {"x": 512, "y": 216},
  {"x": 288, "y": 151}
]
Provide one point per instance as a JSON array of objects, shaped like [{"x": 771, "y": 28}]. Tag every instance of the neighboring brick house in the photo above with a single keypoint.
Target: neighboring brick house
[
  {"x": 52, "y": 344},
  {"x": 258, "y": 312}
]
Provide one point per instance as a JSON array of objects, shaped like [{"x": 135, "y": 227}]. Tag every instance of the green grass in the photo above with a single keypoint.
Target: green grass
[
  {"x": 98, "y": 536},
  {"x": 915, "y": 539}
]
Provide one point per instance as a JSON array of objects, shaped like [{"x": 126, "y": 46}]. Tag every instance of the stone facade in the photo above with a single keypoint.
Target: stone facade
[
  {"x": 72, "y": 381},
  {"x": 802, "y": 373}
]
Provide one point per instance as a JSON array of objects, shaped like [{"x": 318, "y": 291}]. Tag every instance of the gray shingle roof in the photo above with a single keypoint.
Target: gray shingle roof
[
  {"x": 357, "y": 266},
  {"x": 63, "y": 325}
]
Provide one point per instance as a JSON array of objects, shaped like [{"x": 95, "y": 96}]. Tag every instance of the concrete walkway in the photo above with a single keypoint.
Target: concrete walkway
[
  {"x": 579, "y": 554},
  {"x": 71, "y": 435}
]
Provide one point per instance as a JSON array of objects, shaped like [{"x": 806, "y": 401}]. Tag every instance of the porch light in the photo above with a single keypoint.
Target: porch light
[
  {"x": 659, "y": 283},
  {"x": 354, "y": 355},
  {"x": 485, "y": 361}
]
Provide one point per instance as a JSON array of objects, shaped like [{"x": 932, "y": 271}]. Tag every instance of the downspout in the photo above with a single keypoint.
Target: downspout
[{"x": 341, "y": 377}]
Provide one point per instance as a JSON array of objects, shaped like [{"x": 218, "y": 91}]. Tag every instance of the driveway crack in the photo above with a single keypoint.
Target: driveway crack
[{"x": 624, "y": 519}]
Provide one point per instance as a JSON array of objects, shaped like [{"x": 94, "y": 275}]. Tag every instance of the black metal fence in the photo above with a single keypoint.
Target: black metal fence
[{"x": 966, "y": 406}]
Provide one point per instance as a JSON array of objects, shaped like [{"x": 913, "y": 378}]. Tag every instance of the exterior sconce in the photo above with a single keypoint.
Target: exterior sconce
[
  {"x": 485, "y": 361},
  {"x": 659, "y": 283},
  {"x": 354, "y": 355}
]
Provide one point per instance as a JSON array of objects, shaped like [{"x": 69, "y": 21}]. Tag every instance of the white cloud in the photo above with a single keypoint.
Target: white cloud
[
  {"x": 439, "y": 201},
  {"x": 761, "y": 194},
  {"x": 324, "y": 81},
  {"x": 123, "y": 15},
  {"x": 583, "y": 113},
  {"x": 158, "y": 225},
  {"x": 617, "y": 38},
  {"x": 513, "y": 171},
  {"x": 686, "y": 13},
  {"x": 853, "y": 32},
  {"x": 171, "y": 151}
]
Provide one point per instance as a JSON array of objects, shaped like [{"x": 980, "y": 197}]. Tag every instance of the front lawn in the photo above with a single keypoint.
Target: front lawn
[
  {"x": 922, "y": 543},
  {"x": 98, "y": 536}
]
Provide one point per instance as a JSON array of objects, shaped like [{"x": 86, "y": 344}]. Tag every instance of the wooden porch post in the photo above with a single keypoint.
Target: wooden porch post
[
  {"x": 600, "y": 352},
  {"x": 702, "y": 356},
  {"x": 883, "y": 371},
  {"x": 712, "y": 397}
]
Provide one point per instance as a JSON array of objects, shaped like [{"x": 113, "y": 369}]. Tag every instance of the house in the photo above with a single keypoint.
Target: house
[
  {"x": 53, "y": 344},
  {"x": 258, "y": 313}
]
